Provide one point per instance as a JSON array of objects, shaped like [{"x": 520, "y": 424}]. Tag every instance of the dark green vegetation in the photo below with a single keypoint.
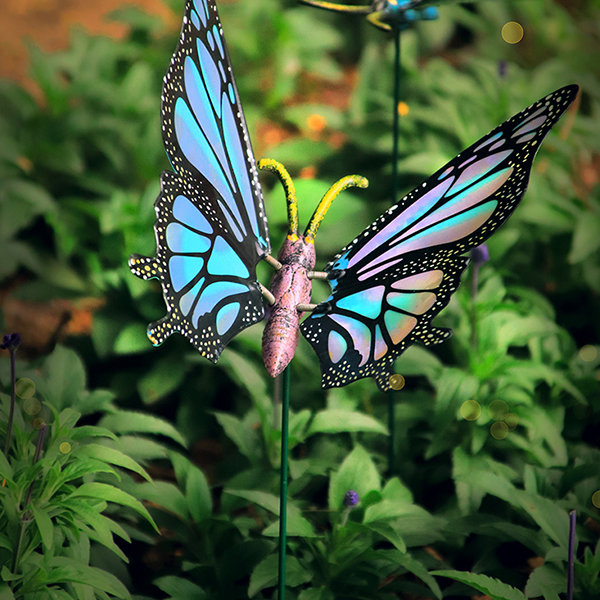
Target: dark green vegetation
[{"x": 497, "y": 430}]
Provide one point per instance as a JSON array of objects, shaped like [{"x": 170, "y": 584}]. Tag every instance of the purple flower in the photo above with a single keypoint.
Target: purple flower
[
  {"x": 480, "y": 255},
  {"x": 11, "y": 341},
  {"x": 350, "y": 499},
  {"x": 502, "y": 68}
]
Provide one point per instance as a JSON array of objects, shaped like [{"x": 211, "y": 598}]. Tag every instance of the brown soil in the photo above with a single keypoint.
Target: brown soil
[{"x": 47, "y": 24}]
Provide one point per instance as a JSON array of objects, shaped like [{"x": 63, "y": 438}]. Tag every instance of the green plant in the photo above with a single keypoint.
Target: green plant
[{"x": 53, "y": 510}]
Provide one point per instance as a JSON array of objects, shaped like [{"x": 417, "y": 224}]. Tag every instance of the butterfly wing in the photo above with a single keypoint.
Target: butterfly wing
[
  {"x": 211, "y": 228},
  {"x": 389, "y": 283}
]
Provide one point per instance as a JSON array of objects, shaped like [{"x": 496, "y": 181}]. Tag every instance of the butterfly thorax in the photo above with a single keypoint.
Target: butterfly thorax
[{"x": 290, "y": 286}]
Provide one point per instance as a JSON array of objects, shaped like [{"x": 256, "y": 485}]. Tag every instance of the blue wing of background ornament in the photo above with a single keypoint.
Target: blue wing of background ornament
[
  {"x": 389, "y": 283},
  {"x": 211, "y": 228}
]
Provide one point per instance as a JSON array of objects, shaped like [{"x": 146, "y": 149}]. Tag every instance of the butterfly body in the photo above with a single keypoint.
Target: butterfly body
[
  {"x": 387, "y": 284},
  {"x": 290, "y": 287}
]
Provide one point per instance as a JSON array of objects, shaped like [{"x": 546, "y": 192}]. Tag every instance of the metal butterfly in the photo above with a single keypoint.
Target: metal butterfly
[
  {"x": 387, "y": 284},
  {"x": 386, "y": 14}
]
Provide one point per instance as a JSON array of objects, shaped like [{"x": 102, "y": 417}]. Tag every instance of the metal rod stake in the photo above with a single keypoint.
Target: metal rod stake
[{"x": 283, "y": 483}]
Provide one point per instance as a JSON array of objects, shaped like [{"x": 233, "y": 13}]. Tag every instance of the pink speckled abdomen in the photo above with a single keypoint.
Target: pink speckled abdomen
[{"x": 290, "y": 286}]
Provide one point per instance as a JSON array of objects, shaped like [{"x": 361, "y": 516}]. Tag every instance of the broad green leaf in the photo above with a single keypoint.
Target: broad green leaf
[
  {"x": 132, "y": 339},
  {"x": 357, "y": 473},
  {"x": 63, "y": 569},
  {"x": 165, "y": 377},
  {"x": 166, "y": 495},
  {"x": 64, "y": 378},
  {"x": 389, "y": 533},
  {"x": 127, "y": 421},
  {"x": 547, "y": 581},
  {"x": 6, "y": 592},
  {"x": 314, "y": 593},
  {"x": 337, "y": 421},
  {"x": 109, "y": 493},
  {"x": 179, "y": 588},
  {"x": 197, "y": 495},
  {"x": 417, "y": 568},
  {"x": 265, "y": 574},
  {"x": 113, "y": 456},
  {"x": 494, "y": 588},
  {"x": 241, "y": 435}
]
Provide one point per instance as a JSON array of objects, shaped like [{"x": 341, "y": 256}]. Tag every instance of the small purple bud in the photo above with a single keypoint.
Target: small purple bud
[
  {"x": 350, "y": 499},
  {"x": 502, "y": 68},
  {"x": 480, "y": 255},
  {"x": 11, "y": 341}
]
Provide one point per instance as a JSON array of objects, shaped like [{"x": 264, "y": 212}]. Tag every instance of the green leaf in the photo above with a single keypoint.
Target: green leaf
[
  {"x": 113, "y": 456},
  {"x": 241, "y": 435},
  {"x": 264, "y": 574},
  {"x": 63, "y": 569},
  {"x": 314, "y": 593},
  {"x": 389, "y": 533},
  {"x": 585, "y": 237},
  {"x": 106, "y": 492},
  {"x": 64, "y": 378},
  {"x": 494, "y": 588},
  {"x": 180, "y": 589},
  {"x": 6, "y": 592},
  {"x": 296, "y": 523},
  {"x": 197, "y": 495},
  {"x": 338, "y": 420},
  {"x": 45, "y": 527},
  {"x": 165, "y": 377},
  {"x": 546, "y": 581},
  {"x": 132, "y": 339},
  {"x": 417, "y": 568},
  {"x": 166, "y": 495},
  {"x": 357, "y": 473},
  {"x": 126, "y": 421}
]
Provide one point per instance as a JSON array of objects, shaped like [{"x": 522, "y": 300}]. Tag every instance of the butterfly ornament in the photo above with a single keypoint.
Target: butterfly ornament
[
  {"x": 385, "y": 14},
  {"x": 386, "y": 285}
]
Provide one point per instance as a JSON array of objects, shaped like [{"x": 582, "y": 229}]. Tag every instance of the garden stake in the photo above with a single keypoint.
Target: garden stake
[
  {"x": 396, "y": 136},
  {"x": 570, "y": 573},
  {"x": 283, "y": 482}
]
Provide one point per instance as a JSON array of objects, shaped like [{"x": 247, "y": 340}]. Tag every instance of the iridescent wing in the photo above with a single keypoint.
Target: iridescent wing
[
  {"x": 211, "y": 227},
  {"x": 389, "y": 283}
]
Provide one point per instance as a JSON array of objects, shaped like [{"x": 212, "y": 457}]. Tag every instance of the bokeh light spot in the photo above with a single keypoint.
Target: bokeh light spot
[
  {"x": 65, "y": 447},
  {"x": 596, "y": 498},
  {"x": 499, "y": 430},
  {"x": 512, "y": 32},
  {"x": 498, "y": 409},
  {"x": 316, "y": 122},
  {"x": 588, "y": 353},
  {"x": 470, "y": 410},
  {"x": 32, "y": 406},
  {"x": 511, "y": 420},
  {"x": 38, "y": 423},
  {"x": 403, "y": 109},
  {"x": 397, "y": 381},
  {"x": 25, "y": 388}
]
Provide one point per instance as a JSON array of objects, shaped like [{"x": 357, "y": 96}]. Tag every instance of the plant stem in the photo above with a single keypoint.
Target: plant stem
[
  {"x": 396, "y": 133},
  {"x": 571, "y": 557},
  {"x": 26, "y": 517},
  {"x": 13, "y": 393},
  {"x": 283, "y": 483}
]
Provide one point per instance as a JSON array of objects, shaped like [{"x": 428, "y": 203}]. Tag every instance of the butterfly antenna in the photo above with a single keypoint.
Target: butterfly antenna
[
  {"x": 360, "y": 10},
  {"x": 290, "y": 193},
  {"x": 337, "y": 188}
]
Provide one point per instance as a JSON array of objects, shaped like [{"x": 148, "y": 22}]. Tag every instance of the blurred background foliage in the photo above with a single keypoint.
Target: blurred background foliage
[{"x": 498, "y": 428}]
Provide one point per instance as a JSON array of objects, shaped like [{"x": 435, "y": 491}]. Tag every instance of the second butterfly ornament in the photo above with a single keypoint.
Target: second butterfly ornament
[{"x": 386, "y": 285}]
